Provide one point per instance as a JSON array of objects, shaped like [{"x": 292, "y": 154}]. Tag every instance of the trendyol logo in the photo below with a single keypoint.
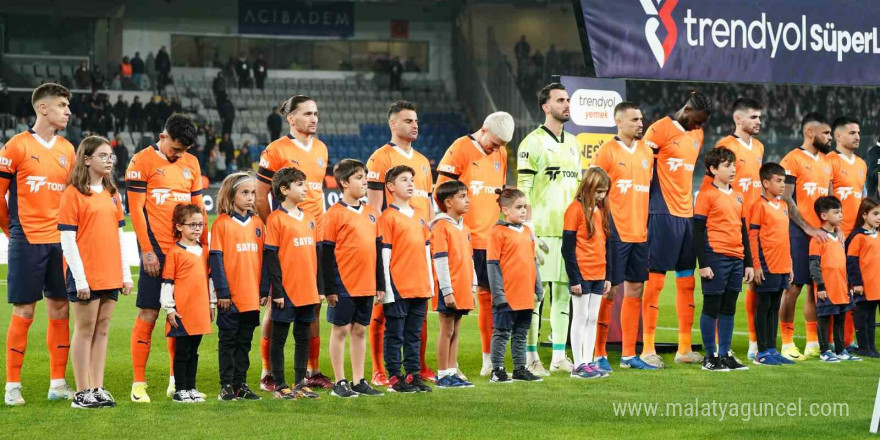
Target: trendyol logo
[
  {"x": 676, "y": 163},
  {"x": 626, "y": 184},
  {"x": 162, "y": 194},
  {"x": 37, "y": 182},
  {"x": 661, "y": 50}
]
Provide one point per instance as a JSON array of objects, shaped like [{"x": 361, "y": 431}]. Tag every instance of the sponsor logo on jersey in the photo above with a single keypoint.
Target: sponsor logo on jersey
[
  {"x": 554, "y": 172},
  {"x": 844, "y": 192},
  {"x": 303, "y": 241},
  {"x": 676, "y": 163},
  {"x": 134, "y": 175},
  {"x": 626, "y": 184},
  {"x": 811, "y": 188},
  {"x": 446, "y": 168},
  {"x": 477, "y": 188},
  {"x": 746, "y": 182},
  {"x": 246, "y": 247},
  {"x": 161, "y": 195},
  {"x": 37, "y": 182}
]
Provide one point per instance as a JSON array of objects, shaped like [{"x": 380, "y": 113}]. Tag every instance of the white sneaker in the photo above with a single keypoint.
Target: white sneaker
[
  {"x": 537, "y": 368},
  {"x": 182, "y": 396},
  {"x": 486, "y": 370},
  {"x": 753, "y": 351},
  {"x": 654, "y": 360},
  {"x": 61, "y": 392},
  {"x": 171, "y": 389},
  {"x": 13, "y": 397},
  {"x": 460, "y": 375},
  {"x": 565, "y": 364},
  {"x": 196, "y": 395}
]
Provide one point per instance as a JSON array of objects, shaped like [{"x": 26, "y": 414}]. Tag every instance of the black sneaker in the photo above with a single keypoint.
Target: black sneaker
[
  {"x": 417, "y": 381},
  {"x": 244, "y": 392},
  {"x": 522, "y": 374},
  {"x": 227, "y": 393},
  {"x": 85, "y": 400},
  {"x": 400, "y": 385},
  {"x": 364, "y": 389},
  {"x": 303, "y": 392},
  {"x": 712, "y": 363},
  {"x": 343, "y": 389},
  {"x": 181, "y": 396},
  {"x": 500, "y": 376},
  {"x": 104, "y": 398},
  {"x": 732, "y": 364}
]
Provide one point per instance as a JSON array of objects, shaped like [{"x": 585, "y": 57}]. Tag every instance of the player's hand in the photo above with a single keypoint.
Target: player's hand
[
  {"x": 818, "y": 234},
  {"x": 127, "y": 287},
  {"x": 543, "y": 248},
  {"x": 322, "y": 298},
  {"x": 84, "y": 294},
  {"x": 332, "y": 299},
  {"x": 223, "y": 304},
  {"x": 278, "y": 303},
  {"x": 706, "y": 272},
  {"x": 264, "y": 300},
  {"x": 449, "y": 300},
  {"x": 380, "y": 295},
  {"x": 749, "y": 275},
  {"x": 576, "y": 290},
  {"x": 859, "y": 290},
  {"x": 606, "y": 288},
  {"x": 172, "y": 318},
  {"x": 213, "y": 313},
  {"x": 150, "y": 263},
  {"x": 791, "y": 276},
  {"x": 822, "y": 295},
  {"x": 759, "y": 276}
]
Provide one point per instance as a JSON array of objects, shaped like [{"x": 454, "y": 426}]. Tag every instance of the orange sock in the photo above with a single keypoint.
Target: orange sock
[
  {"x": 484, "y": 318},
  {"x": 16, "y": 345},
  {"x": 629, "y": 324},
  {"x": 651, "y": 310},
  {"x": 58, "y": 342},
  {"x": 787, "y": 332},
  {"x": 314, "y": 352},
  {"x": 812, "y": 332},
  {"x": 604, "y": 322},
  {"x": 172, "y": 347},
  {"x": 424, "y": 346},
  {"x": 377, "y": 332},
  {"x": 264, "y": 353},
  {"x": 751, "y": 305},
  {"x": 684, "y": 308},
  {"x": 141, "y": 340},
  {"x": 848, "y": 329}
]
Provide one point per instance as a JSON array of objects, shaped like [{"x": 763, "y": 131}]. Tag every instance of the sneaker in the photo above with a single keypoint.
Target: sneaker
[
  {"x": 460, "y": 383},
  {"x": 845, "y": 356},
  {"x": 636, "y": 363},
  {"x": 523, "y": 374},
  {"x": 319, "y": 380},
  {"x": 399, "y": 385},
  {"x": 585, "y": 371},
  {"x": 852, "y": 347},
  {"x": 603, "y": 365},
  {"x": 812, "y": 351},
  {"x": 364, "y": 389},
  {"x": 753, "y": 351},
  {"x": 171, "y": 388},
  {"x": 196, "y": 396},
  {"x": 343, "y": 389},
  {"x": 446, "y": 382},
  {"x": 181, "y": 396},
  {"x": 766, "y": 358},
  {"x": 500, "y": 376},
  {"x": 460, "y": 375},
  {"x": 227, "y": 393},
  {"x": 537, "y": 368},
  {"x": 105, "y": 398},
  {"x": 792, "y": 353},
  {"x": 428, "y": 374},
  {"x": 782, "y": 359},
  {"x": 712, "y": 363},
  {"x": 653, "y": 360},
  {"x": 379, "y": 379},
  {"x": 284, "y": 393},
  {"x": 139, "y": 393},
  {"x": 302, "y": 391},
  {"x": 565, "y": 364},
  {"x": 61, "y": 392},
  {"x": 733, "y": 364},
  {"x": 691, "y": 357},
  {"x": 243, "y": 392},
  {"x": 731, "y": 354},
  {"x": 486, "y": 370},
  {"x": 267, "y": 383},
  {"x": 13, "y": 397},
  {"x": 85, "y": 400},
  {"x": 595, "y": 366},
  {"x": 417, "y": 381},
  {"x": 829, "y": 356}
]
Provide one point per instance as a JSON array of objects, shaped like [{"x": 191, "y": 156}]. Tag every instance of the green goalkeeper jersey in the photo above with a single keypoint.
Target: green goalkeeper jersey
[{"x": 549, "y": 172}]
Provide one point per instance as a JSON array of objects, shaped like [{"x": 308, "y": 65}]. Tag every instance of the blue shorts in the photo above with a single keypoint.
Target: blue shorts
[
  {"x": 480, "y": 268},
  {"x": 403, "y": 307},
  {"x": 825, "y": 307},
  {"x": 293, "y": 313},
  {"x": 34, "y": 270},
  {"x": 150, "y": 288},
  {"x": 629, "y": 262},
  {"x": 595, "y": 287},
  {"x": 800, "y": 255},
  {"x": 349, "y": 310},
  {"x": 441, "y": 306},
  {"x": 728, "y": 274},
  {"x": 95, "y": 294},
  {"x": 507, "y": 318},
  {"x": 233, "y": 319},
  {"x": 773, "y": 282},
  {"x": 670, "y": 243}
]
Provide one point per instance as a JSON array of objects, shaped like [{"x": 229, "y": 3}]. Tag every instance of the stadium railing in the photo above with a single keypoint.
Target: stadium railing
[{"x": 504, "y": 92}]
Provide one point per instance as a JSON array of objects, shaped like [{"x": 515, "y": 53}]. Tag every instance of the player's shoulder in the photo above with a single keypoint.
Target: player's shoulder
[
  {"x": 660, "y": 125},
  {"x": 379, "y": 157},
  {"x": 189, "y": 160},
  {"x": 66, "y": 145},
  {"x": 730, "y": 142}
]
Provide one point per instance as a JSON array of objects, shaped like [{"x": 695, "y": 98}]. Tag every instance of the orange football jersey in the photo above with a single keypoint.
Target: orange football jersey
[
  {"x": 37, "y": 171},
  {"x": 294, "y": 237},
  {"x": 676, "y": 151},
  {"x": 352, "y": 232},
  {"x": 589, "y": 252},
  {"x": 865, "y": 246},
  {"x": 768, "y": 236},
  {"x": 630, "y": 169},
  {"x": 453, "y": 241},
  {"x": 723, "y": 213},
  {"x": 390, "y": 156},
  {"x": 238, "y": 241},
  {"x": 94, "y": 218},
  {"x": 405, "y": 232},
  {"x": 848, "y": 178},
  {"x": 189, "y": 274},
  {"x": 832, "y": 261},
  {"x": 466, "y": 162},
  {"x": 747, "y": 179},
  {"x": 512, "y": 248},
  {"x": 811, "y": 176}
]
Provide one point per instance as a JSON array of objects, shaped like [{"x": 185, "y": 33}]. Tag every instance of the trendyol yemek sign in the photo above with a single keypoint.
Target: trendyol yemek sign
[
  {"x": 592, "y": 111},
  {"x": 781, "y": 41}
]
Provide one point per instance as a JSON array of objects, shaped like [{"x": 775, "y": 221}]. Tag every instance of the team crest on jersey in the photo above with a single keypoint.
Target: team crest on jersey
[
  {"x": 759, "y": 160},
  {"x": 645, "y": 163},
  {"x": 424, "y": 169},
  {"x": 422, "y": 222},
  {"x": 312, "y": 225},
  {"x": 321, "y": 162},
  {"x": 187, "y": 174},
  {"x": 372, "y": 218},
  {"x": 739, "y": 199},
  {"x": 63, "y": 161},
  {"x": 258, "y": 232},
  {"x": 827, "y": 169},
  {"x": 497, "y": 166},
  {"x": 114, "y": 200},
  {"x": 696, "y": 145}
]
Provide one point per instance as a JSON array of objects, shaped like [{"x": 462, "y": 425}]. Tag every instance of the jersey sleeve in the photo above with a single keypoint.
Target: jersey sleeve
[
  {"x": 439, "y": 240},
  {"x": 756, "y": 218},
  {"x": 120, "y": 212},
  {"x": 792, "y": 168},
  {"x": 377, "y": 166},
  {"x": 527, "y": 165},
  {"x": 268, "y": 165},
  {"x": 603, "y": 159},
  {"x": 703, "y": 204},
  {"x": 216, "y": 233},
  {"x": 273, "y": 233},
  {"x": 493, "y": 249},
  {"x": 655, "y": 136},
  {"x": 68, "y": 211},
  {"x": 10, "y": 157},
  {"x": 572, "y": 218},
  {"x": 169, "y": 271},
  {"x": 331, "y": 226},
  {"x": 386, "y": 224},
  {"x": 853, "y": 269},
  {"x": 451, "y": 165}
]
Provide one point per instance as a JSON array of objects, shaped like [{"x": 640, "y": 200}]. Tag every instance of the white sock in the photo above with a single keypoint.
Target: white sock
[
  {"x": 264, "y": 374},
  {"x": 487, "y": 359},
  {"x": 137, "y": 383},
  {"x": 753, "y": 346},
  {"x": 813, "y": 344},
  {"x": 558, "y": 356},
  {"x": 580, "y": 305},
  {"x": 592, "y": 327},
  {"x": 787, "y": 346},
  {"x": 170, "y": 380},
  {"x": 55, "y": 383},
  {"x": 12, "y": 385},
  {"x": 532, "y": 356}
]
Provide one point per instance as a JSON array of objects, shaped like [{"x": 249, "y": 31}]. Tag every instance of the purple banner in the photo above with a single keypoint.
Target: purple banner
[{"x": 781, "y": 41}]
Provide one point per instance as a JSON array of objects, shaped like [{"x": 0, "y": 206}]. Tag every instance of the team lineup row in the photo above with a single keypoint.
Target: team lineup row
[{"x": 628, "y": 219}]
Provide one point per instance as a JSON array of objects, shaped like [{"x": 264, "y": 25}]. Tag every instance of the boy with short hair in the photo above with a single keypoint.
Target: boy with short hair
[
  {"x": 724, "y": 257},
  {"x": 353, "y": 276},
  {"x": 406, "y": 257},
  {"x": 828, "y": 271}
]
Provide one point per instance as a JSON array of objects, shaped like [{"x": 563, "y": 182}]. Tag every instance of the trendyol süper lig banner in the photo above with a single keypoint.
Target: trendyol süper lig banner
[
  {"x": 780, "y": 41},
  {"x": 592, "y": 111}
]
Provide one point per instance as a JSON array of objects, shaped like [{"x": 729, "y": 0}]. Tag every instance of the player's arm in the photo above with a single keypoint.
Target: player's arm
[
  {"x": 539, "y": 286},
  {"x": 449, "y": 167},
  {"x": 387, "y": 228},
  {"x": 376, "y": 168},
  {"x": 699, "y": 225},
  {"x": 136, "y": 189},
  {"x": 265, "y": 173},
  {"x": 493, "y": 270},
  {"x": 527, "y": 167},
  {"x": 816, "y": 275},
  {"x": 273, "y": 268},
  {"x": 853, "y": 270},
  {"x": 166, "y": 293},
  {"x": 381, "y": 286},
  {"x": 67, "y": 225},
  {"x": 198, "y": 200},
  {"x": 793, "y": 213},
  {"x": 441, "y": 260},
  {"x": 754, "y": 233},
  {"x": 8, "y": 163},
  {"x": 569, "y": 244},
  {"x": 749, "y": 273},
  {"x": 218, "y": 270}
]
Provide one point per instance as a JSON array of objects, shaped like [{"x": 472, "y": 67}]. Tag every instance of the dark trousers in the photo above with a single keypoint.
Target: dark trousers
[
  {"x": 824, "y": 323},
  {"x": 403, "y": 332},
  {"x": 865, "y": 320},
  {"x": 767, "y": 319},
  {"x": 233, "y": 353},
  {"x": 300, "y": 353},
  {"x": 186, "y": 361},
  {"x": 718, "y": 313},
  {"x": 510, "y": 325},
  {"x": 260, "y": 81}
]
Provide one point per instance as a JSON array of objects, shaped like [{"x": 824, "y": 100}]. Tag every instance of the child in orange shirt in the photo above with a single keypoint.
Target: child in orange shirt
[
  {"x": 456, "y": 278},
  {"x": 828, "y": 271},
  {"x": 186, "y": 299},
  {"x": 237, "y": 244},
  {"x": 515, "y": 284},
  {"x": 586, "y": 252},
  {"x": 863, "y": 258}
]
